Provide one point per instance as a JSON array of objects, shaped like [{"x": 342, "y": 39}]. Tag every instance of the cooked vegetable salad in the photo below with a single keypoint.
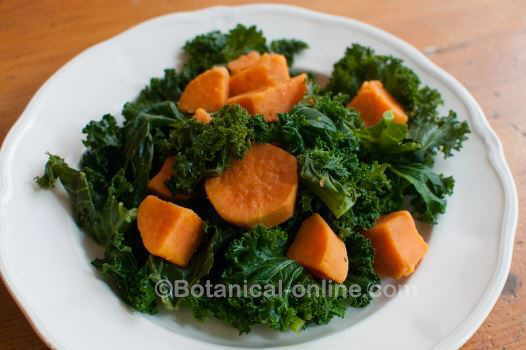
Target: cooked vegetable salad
[{"x": 235, "y": 169}]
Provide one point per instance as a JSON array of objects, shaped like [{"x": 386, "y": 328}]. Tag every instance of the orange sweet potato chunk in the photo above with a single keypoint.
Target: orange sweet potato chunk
[
  {"x": 202, "y": 116},
  {"x": 243, "y": 62},
  {"x": 270, "y": 70},
  {"x": 274, "y": 99},
  {"x": 320, "y": 250},
  {"x": 258, "y": 189},
  {"x": 373, "y": 100},
  {"x": 168, "y": 230},
  {"x": 398, "y": 245},
  {"x": 209, "y": 90},
  {"x": 157, "y": 184}
]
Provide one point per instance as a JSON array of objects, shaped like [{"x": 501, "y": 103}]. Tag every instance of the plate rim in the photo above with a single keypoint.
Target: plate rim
[{"x": 479, "y": 124}]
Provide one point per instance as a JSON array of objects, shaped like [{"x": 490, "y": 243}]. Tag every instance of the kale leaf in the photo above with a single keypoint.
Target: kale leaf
[
  {"x": 288, "y": 48},
  {"x": 376, "y": 195},
  {"x": 168, "y": 88},
  {"x": 214, "y": 48},
  {"x": 435, "y": 134},
  {"x": 427, "y": 190},
  {"x": 361, "y": 268},
  {"x": 106, "y": 223},
  {"x": 131, "y": 280},
  {"x": 387, "y": 138},
  {"x": 328, "y": 175},
  {"x": 392, "y": 143},
  {"x": 99, "y": 219}
]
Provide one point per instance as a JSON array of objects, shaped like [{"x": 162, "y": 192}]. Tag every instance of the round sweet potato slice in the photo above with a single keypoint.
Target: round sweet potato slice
[{"x": 258, "y": 189}]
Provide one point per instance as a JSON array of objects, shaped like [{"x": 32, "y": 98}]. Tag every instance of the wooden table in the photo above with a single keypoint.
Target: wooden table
[{"x": 481, "y": 42}]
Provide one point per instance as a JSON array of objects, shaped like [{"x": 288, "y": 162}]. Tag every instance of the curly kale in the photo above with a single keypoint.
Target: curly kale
[
  {"x": 426, "y": 189},
  {"x": 324, "y": 135},
  {"x": 257, "y": 257},
  {"x": 288, "y": 48},
  {"x": 214, "y": 48},
  {"x": 434, "y": 134},
  {"x": 168, "y": 88},
  {"x": 361, "y": 64},
  {"x": 410, "y": 150},
  {"x": 426, "y": 127}
]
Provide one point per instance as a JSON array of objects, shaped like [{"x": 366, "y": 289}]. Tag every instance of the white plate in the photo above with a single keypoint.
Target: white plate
[{"x": 45, "y": 259}]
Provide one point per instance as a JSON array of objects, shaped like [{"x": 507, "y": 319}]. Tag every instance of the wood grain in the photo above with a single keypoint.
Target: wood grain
[{"x": 481, "y": 42}]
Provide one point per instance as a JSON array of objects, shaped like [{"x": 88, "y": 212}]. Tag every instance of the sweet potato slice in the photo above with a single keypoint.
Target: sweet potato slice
[
  {"x": 243, "y": 62},
  {"x": 320, "y": 250},
  {"x": 398, "y": 245},
  {"x": 157, "y": 184},
  {"x": 270, "y": 70},
  {"x": 273, "y": 100},
  {"x": 373, "y": 100},
  {"x": 202, "y": 116},
  {"x": 209, "y": 90},
  {"x": 168, "y": 230},
  {"x": 258, "y": 189}
]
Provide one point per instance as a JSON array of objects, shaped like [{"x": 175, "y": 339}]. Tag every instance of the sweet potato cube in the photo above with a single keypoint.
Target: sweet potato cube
[
  {"x": 157, "y": 184},
  {"x": 168, "y": 230},
  {"x": 202, "y": 116},
  {"x": 209, "y": 90},
  {"x": 320, "y": 250},
  {"x": 373, "y": 100},
  {"x": 258, "y": 189},
  {"x": 243, "y": 62},
  {"x": 398, "y": 245},
  {"x": 273, "y": 100},
  {"x": 270, "y": 70}
]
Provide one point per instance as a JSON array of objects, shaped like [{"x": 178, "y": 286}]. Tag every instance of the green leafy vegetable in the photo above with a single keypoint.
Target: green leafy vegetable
[
  {"x": 106, "y": 223},
  {"x": 434, "y": 133},
  {"x": 325, "y": 137},
  {"x": 391, "y": 143},
  {"x": 360, "y": 64},
  {"x": 258, "y": 258},
  {"x": 376, "y": 195},
  {"x": 132, "y": 281},
  {"x": 168, "y": 88},
  {"x": 428, "y": 189},
  {"x": 361, "y": 270},
  {"x": 207, "y": 50},
  {"x": 438, "y": 134},
  {"x": 327, "y": 175},
  {"x": 101, "y": 219},
  {"x": 387, "y": 138},
  {"x": 288, "y": 48}
]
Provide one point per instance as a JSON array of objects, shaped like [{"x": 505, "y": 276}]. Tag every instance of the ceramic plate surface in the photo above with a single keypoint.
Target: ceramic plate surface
[{"x": 45, "y": 259}]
